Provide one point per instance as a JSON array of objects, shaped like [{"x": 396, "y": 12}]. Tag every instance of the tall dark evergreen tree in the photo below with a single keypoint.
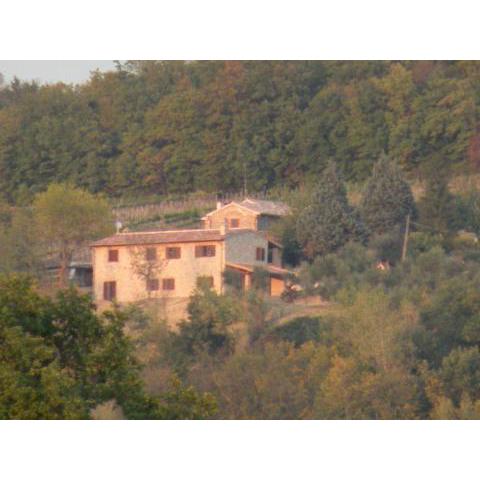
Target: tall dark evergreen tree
[
  {"x": 328, "y": 222},
  {"x": 387, "y": 198},
  {"x": 437, "y": 207}
]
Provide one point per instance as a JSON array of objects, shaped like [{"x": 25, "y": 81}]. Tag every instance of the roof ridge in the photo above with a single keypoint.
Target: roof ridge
[
  {"x": 151, "y": 232},
  {"x": 165, "y": 236}
]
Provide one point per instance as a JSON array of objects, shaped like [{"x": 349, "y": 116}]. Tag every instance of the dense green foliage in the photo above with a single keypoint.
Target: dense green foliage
[
  {"x": 299, "y": 331},
  {"x": 206, "y": 330},
  {"x": 60, "y": 222},
  {"x": 59, "y": 360},
  {"x": 388, "y": 337},
  {"x": 387, "y": 199},
  {"x": 396, "y": 344},
  {"x": 67, "y": 218},
  {"x": 172, "y": 127},
  {"x": 328, "y": 222},
  {"x": 437, "y": 208}
]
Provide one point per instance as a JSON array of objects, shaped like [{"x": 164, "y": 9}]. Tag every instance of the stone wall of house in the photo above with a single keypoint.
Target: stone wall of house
[
  {"x": 131, "y": 286},
  {"x": 245, "y": 218},
  {"x": 241, "y": 247}
]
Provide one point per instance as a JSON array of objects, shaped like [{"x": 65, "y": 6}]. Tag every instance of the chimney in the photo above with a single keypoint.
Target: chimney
[{"x": 219, "y": 204}]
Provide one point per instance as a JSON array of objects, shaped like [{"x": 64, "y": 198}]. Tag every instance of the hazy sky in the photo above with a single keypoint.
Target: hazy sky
[{"x": 68, "y": 71}]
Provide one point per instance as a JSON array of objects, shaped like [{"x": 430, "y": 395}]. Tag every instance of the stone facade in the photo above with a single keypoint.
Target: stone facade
[
  {"x": 248, "y": 250},
  {"x": 224, "y": 216},
  {"x": 241, "y": 247},
  {"x": 250, "y": 213}
]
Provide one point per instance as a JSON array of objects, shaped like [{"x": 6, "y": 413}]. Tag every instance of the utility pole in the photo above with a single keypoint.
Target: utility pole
[
  {"x": 245, "y": 192},
  {"x": 405, "y": 238}
]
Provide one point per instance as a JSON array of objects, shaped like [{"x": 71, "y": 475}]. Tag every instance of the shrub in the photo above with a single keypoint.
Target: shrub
[{"x": 299, "y": 331}]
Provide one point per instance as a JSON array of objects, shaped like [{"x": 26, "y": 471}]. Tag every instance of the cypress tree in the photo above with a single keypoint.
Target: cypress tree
[
  {"x": 387, "y": 198},
  {"x": 437, "y": 207},
  {"x": 328, "y": 222}
]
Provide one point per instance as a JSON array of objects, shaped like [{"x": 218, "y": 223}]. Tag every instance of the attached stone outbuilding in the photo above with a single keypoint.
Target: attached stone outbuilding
[{"x": 250, "y": 213}]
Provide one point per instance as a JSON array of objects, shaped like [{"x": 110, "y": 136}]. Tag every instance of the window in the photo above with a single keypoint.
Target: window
[
  {"x": 234, "y": 223},
  {"x": 173, "y": 252},
  {"x": 113, "y": 255},
  {"x": 152, "y": 284},
  {"x": 151, "y": 254},
  {"x": 109, "y": 291},
  {"x": 168, "y": 284},
  {"x": 205, "y": 280},
  {"x": 260, "y": 255},
  {"x": 205, "y": 251}
]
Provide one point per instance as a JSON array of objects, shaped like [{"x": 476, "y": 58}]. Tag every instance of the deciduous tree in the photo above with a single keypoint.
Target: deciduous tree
[{"x": 67, "y": 218}]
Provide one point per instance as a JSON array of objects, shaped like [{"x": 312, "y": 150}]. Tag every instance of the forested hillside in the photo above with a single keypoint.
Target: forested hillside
[
  {"x": 380, "y": 317},
  {"x": 175, "y": 127}
]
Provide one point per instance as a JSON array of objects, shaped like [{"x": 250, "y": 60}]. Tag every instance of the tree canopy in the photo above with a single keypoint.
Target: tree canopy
[
  {"x": 387, "y": 199},
  {"x": 66, "y": 218},
  {"x": 172, "y": 127},
  {"x": 59, "y": 359},
  {"x": 328, "y": 222}
]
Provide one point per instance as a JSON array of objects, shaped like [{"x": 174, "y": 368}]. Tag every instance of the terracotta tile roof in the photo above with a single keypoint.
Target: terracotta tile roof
[
  {"x": 165, "y": 236},
  {"x": 278, "y": 270},
  {"x": 260, "y": 207},
  {"x": 266, "y": 207},
  {"x": 272, "y": 269},
  {"x": 240, "y": 266}
]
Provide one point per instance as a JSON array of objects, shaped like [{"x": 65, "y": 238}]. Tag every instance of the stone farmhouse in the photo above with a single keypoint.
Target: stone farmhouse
[{"x": 133, "y": 266}]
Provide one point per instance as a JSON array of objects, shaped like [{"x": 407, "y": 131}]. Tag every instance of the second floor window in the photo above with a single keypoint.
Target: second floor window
[
  {"x": 113, "y": 255},
  {"x": 109, "y": 291},
  {"x": 151, "y": 254},
  {"x": 168, "y": 284},
  {"x": 234, "y": 223},
  {"x": 173, "y": 252},
  {"x": 260, "y": 254},
  {"x": 205, "y": 251},
  {"x": 152, "y": 284}
]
